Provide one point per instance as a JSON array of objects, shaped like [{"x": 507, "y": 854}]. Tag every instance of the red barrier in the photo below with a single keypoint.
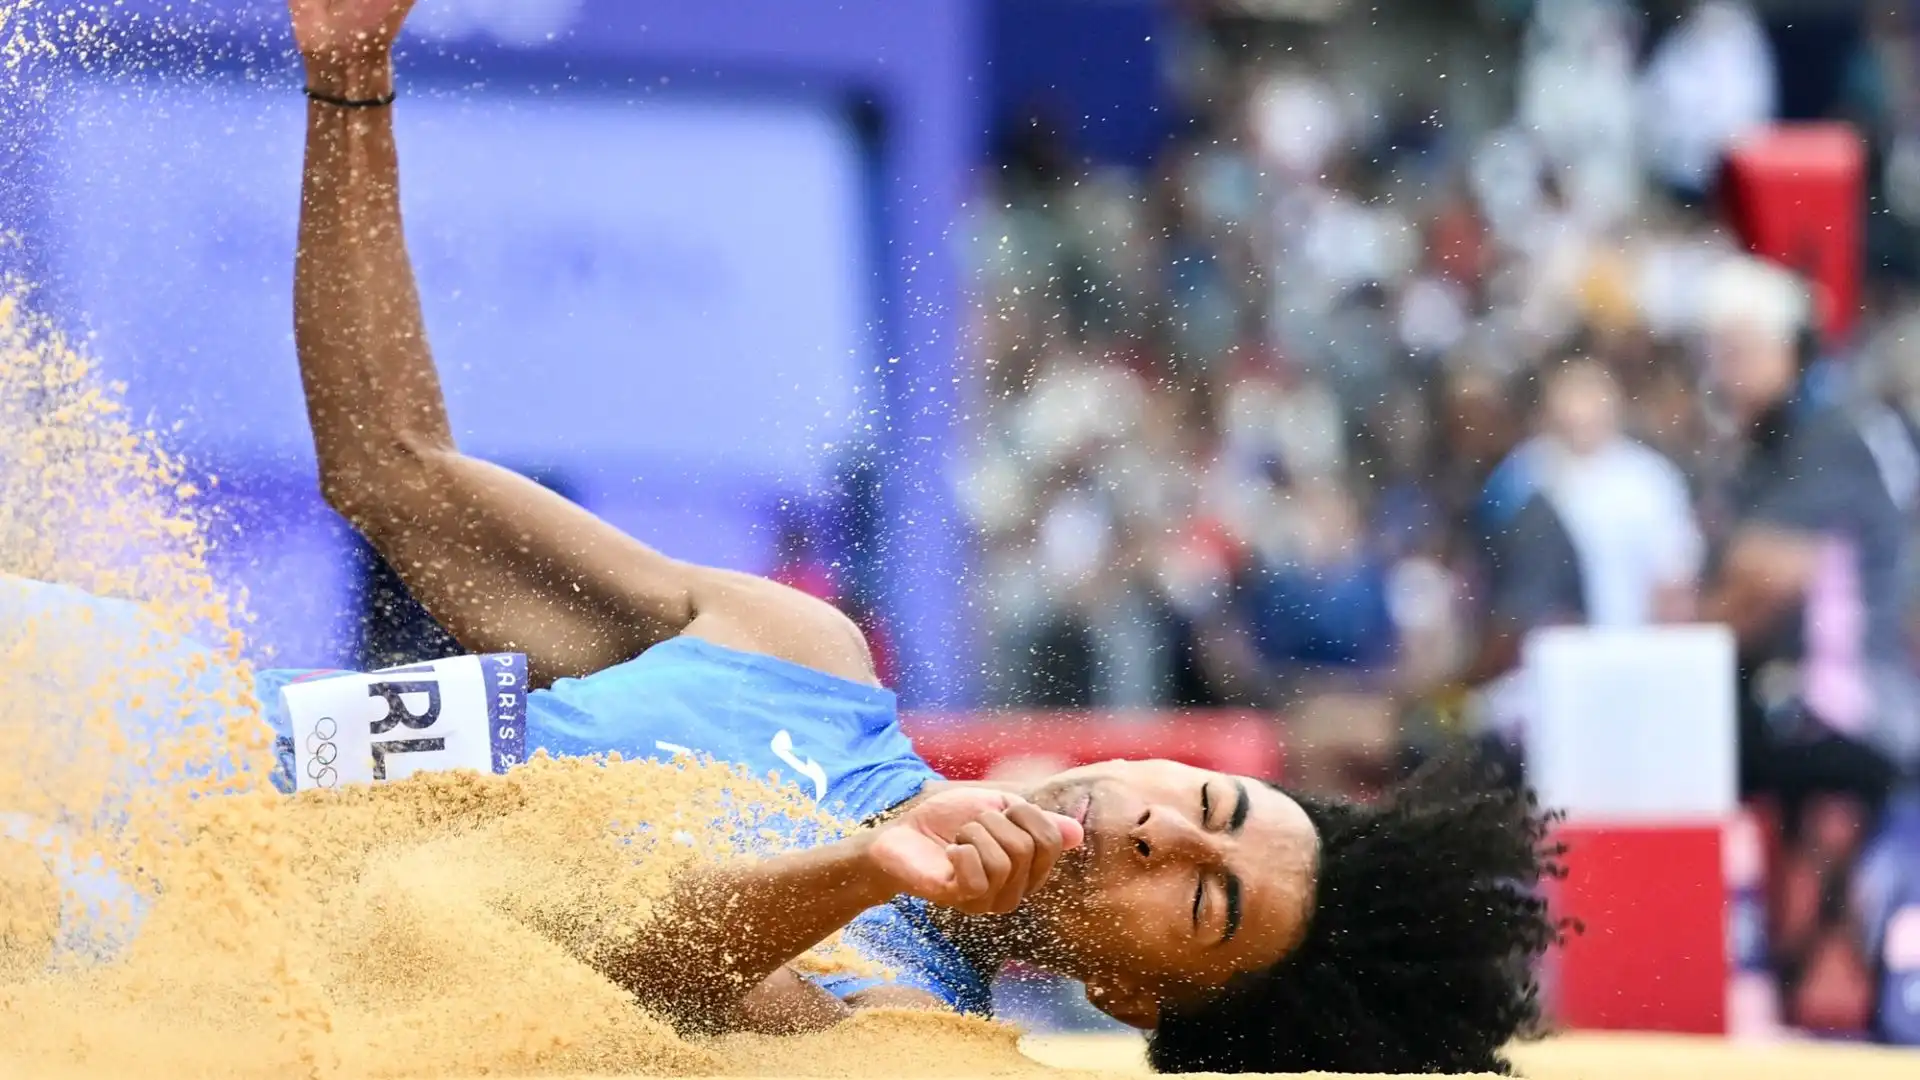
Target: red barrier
[
  {"x": 1654, "y": 954},
  {"x": 970, "y": 747},
  {"x": 1794, "y": 195}
]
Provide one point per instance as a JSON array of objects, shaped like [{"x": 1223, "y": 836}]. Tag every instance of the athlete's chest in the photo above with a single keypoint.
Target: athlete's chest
[{"x": 810, "y": 761}]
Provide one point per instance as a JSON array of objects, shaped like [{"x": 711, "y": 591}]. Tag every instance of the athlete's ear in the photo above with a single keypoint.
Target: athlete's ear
[{"x": 1125, "y": 1002}]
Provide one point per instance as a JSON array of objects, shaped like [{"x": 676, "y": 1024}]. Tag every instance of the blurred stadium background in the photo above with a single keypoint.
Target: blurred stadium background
[{"x": 1303, "y": 385}]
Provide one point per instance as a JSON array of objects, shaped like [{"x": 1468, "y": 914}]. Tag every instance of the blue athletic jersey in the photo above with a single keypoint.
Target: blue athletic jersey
[{"x": 839, "y": 742}]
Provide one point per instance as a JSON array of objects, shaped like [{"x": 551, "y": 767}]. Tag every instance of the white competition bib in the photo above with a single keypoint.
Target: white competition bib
[{"x": 465, "y": 712}]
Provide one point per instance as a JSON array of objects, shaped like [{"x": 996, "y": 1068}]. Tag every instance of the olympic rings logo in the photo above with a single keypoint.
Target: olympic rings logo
[{"x": 322, "y": 752}]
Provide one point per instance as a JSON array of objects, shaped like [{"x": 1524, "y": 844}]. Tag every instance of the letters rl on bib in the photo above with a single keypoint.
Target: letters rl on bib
[{"x": 465, "y": 712}]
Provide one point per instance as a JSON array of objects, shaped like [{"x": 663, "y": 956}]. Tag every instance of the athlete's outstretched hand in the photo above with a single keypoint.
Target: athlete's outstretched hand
[
  {"x": 340, "y": 29},
  {"x": 973, "y": 849}
]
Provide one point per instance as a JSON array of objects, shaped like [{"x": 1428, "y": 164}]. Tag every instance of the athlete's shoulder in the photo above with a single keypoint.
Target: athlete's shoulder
[{"x": 761, "y": 617}]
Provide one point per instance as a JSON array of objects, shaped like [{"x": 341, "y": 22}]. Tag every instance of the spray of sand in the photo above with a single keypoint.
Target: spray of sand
[{"x": 164, "y": 911}]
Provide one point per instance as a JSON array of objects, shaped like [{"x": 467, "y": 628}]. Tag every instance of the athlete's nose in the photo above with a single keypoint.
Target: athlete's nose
[{"x": 1165, "y": 833}]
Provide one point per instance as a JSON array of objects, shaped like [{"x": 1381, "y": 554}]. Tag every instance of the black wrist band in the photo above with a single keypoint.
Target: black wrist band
[{"x": 380, "y": 102}]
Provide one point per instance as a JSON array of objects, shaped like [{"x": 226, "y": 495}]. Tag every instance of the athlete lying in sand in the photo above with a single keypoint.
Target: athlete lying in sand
[{"x": 1245, "y": 929}]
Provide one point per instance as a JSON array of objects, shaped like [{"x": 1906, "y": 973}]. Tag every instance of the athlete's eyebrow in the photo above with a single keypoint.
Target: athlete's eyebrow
[
  {"x": 1240, "y": 807},
  {"x": 1233, "y": 907}
]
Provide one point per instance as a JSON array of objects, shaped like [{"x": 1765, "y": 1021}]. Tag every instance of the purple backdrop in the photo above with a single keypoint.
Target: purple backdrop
[{"x": 903, "y": 68}]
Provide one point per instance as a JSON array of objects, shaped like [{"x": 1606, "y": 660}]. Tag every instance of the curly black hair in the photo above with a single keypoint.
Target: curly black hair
[{"x": 1420, "y": 954}]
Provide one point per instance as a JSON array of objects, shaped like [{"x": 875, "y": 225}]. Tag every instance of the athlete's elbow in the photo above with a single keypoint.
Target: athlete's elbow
[
  {"x": 367, "y": 486},
  {"x": 344, "y": 488}
]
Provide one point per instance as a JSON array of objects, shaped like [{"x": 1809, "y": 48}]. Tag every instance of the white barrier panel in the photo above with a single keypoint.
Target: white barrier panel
[{"x": 1633, "y": 725}]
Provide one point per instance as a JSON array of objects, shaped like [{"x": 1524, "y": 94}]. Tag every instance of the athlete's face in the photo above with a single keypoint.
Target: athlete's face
[{"x": 1187, "y": 878}]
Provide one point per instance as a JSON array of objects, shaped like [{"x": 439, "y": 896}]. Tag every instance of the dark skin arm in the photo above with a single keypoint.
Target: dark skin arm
[
  {"x": 504, "y": 564},
  {"x": 717, "y": 957},
  {"x": 728, "y": 935},
  {"x": 786, "y": 1003}
]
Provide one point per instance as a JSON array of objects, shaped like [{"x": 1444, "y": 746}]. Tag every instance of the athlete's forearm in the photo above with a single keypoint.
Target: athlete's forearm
[
  {"x": 502, "y": 563},
  {"x": 726, "y": 930},
  {"x": 373, "y": 396}
]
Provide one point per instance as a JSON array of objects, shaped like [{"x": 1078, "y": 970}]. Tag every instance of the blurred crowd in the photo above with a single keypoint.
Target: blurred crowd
[
  {"x": 1256, "y": 416},
  {"x": 1326, "y": 410}
]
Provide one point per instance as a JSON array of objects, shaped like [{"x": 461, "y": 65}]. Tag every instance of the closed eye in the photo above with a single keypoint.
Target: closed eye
[{"x": 1199, "y": 894}]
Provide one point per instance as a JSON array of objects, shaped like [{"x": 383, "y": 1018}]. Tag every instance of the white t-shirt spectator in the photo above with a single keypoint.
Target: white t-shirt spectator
[{"x": 1630, "y": 517}]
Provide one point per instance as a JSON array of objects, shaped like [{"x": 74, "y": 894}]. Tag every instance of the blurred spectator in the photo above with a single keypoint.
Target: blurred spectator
[
  {"x": 1626, "y": 508},
  {"x": 1576, "y": 97},
  {"x": 1587, "y": 526},
  {"x": 1710, "y": 81},
  {"x": 1808, "y": 572},
  {"x": 1809, "y": 579},
  {"x": 1316, "y": 598}
]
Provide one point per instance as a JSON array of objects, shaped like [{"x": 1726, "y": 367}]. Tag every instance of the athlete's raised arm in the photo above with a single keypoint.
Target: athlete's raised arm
[{"x": 503, "y": 563}]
